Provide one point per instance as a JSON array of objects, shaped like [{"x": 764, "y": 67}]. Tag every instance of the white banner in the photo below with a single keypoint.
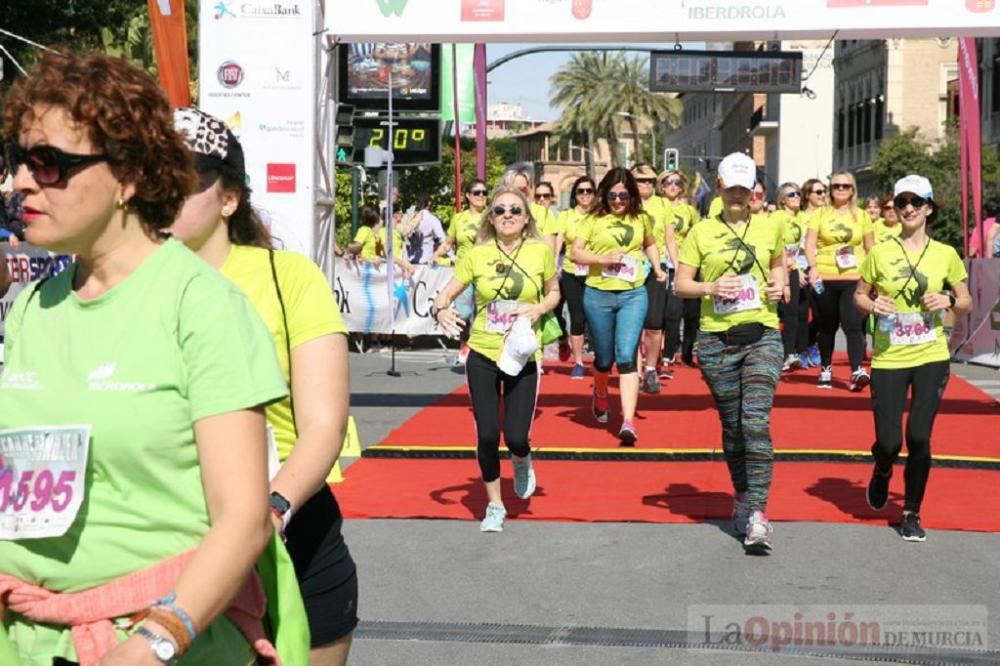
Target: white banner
[
  {"x": 26, "y": 264},
  {"x": 975, "y": 338},
  {"x": 362, "y": 291},
  {"x": 257, "y": 72},
  {"x": 655, "y": 20}
]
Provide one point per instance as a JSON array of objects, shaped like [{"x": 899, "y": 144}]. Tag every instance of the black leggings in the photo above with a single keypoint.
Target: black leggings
[
  {"x": 889, "y": 389},
  {"x": 486, "y": 382},
  {"x": 656, "y": 313},
  {"x": 835, "y": 307},
  {"x": 795, "y": 316},
  {"x": 678, "y": 309},
  {"x": 571, "y": 293}
]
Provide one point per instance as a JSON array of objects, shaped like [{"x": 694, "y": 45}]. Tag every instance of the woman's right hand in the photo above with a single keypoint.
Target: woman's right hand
[
  {"x": 614, "y": 257},
  {"x": 450, "y": 322},
  {"x": 813, "y": 275},
  {"x": 884, "y": 306},
  {"x": 726, "y": 286}
]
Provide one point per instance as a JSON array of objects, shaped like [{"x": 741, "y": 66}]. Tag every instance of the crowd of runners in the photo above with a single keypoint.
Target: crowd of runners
[{"x": 173, "y": 401}]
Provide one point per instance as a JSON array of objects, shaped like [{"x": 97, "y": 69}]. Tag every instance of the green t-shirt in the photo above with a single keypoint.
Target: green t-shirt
[
  {"x": 310, "y": 307},
  {"x": 567, "y": 224},
  {"x": 464, "y": 228},
  {"x": 625, "y": 234},
  {"x": 365, "y": 237},
  {"x": 501, "y": 283},
  {"x": 902, "y": 274},
  {"x": 714, "y": 248},
  {"x": 398, "y": 246},
  {"x": 884, "y": 232},
  {"x": 840, "y": 248},
  {"x": 661, "y": 210},
  {"x": 173, "y": 343}
]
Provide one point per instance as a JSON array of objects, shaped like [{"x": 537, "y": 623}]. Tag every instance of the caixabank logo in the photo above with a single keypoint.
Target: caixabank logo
[{"x": 232, "y": 9}]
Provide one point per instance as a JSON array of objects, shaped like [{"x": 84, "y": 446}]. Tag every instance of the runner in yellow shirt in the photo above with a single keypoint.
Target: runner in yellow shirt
[
  {"x": 915, "y": 279},
  {"x": 741, "y": 269},
  {"x": 793, "y": 313},
  {"x": 674, "y": 186},
  {"x": 572, "y": 281},
  {"x": 887, "y": 226},
  {"x": 545, "y": 221}
]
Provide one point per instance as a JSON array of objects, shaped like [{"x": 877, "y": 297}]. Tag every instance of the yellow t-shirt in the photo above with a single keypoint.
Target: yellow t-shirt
[
  {"x": 884, "y": 232},
  {"x": 544, "y": 220},
  {"x": 500, "y": 282},
  {"x": 793, "y": 236},
  {"x": 840, "y": 248},
  {"x": 310, "y": 307},
  {"x": 685, "y": 217},
  {"x": 567, "y": 224},
  {"x": 398, "y": 247},
  {"x": 715, "y": 208},
  {"x": 464, "y": 228},
  {"x": 661, "y": 210},
  {"x": 365, "y": 237},
  {"x": 714, "y": 248},
  {"x": 905, "y": 276},
  {"x": 625, "y": 234}
]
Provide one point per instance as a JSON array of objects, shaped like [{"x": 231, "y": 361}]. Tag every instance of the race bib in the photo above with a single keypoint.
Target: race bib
[
  {"x": 748, "y": 298},
  {"x": 627, "y": 269},
  {"x": 846, "y": 257},
  {"x": 42, "y": 480},
  {"x": 581, "y": 270},
  {"x": 792, "y": 250},
  {"x": 802, "y": 262},
  {"x": 913, "y": 328},
  {"x": 500, "y": 316}
]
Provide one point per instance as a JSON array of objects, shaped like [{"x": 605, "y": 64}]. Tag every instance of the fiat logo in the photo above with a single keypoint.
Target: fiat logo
[{"x": 230, "y": 74}]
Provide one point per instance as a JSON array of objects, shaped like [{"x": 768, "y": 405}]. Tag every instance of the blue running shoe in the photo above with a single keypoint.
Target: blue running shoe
[
  {"x": 578, "y": 371},
  {"x": 524, "y": 477},
  {"x": 813, "y": 355}
]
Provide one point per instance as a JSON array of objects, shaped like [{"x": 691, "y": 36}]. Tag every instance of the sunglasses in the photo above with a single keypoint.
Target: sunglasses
[
  {"x": 841, "y": 186},
  {"x": 49, "y": 166},
  {"x": 584, "y": 190},
  {"x": 205, "y": 180},
  {"x": 902, "y": 202},
  {"x": 673, "y": 181},
  {"x": 514, "y": 209},
  {"x": 646, "y": 181},
  {"x": 793, "y": 195},
  {"x": 758, "y": 195},
  {"x": 820, "y": 193},
  {"x": 888, "y": 206},
  {"x": 543, "y": 196},
  {"x": 478, "y": 193},
  {"x": 619, "y": 196}
]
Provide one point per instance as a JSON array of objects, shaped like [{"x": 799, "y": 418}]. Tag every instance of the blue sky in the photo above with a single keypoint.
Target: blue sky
[{"x": 526, "y": 79}]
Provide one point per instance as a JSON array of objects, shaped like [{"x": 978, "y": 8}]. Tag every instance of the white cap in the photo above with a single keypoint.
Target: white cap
[
  {"x": 738, "y": 170},
  {"x": 914, "y": 184},
  {"x": 520, "y": 344}
]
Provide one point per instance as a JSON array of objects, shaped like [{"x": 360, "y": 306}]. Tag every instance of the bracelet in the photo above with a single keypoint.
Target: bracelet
[
  {"x": 167, "y": 603},
  {"x": 174, "y": 626},
  {"x": 434, "y": 310}
]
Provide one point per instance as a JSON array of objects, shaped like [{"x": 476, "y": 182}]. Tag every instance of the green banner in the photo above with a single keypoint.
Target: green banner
[{"x": 466, "y": 83}]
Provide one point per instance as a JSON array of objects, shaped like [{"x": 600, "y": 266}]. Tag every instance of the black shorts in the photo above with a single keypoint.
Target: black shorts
[{"x": 327, "y": 576}]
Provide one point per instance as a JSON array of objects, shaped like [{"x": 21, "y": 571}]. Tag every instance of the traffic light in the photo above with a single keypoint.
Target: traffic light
[
  {"x": 671, "y": 159},
  {"x": 344, "y": 141}
]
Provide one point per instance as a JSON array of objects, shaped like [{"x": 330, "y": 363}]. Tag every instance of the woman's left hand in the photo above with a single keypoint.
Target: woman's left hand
[
  {"x": 775, "y": 291},
  {"x": 661, "y": 276},
  {"x": 936, "y": 301},
  {"x": 532, "y": 311},
  {"x": 136, "y": 651}
]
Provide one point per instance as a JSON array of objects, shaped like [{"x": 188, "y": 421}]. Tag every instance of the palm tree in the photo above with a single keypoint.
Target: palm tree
[{"x": 636, "y": 101}]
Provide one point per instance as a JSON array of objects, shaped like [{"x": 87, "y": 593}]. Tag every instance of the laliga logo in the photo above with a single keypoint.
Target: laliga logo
[{"x": 230, "y": 74}]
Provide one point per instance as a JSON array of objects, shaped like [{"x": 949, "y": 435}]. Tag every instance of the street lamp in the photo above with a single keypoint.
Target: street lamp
[{"x": 652, "y": 135}]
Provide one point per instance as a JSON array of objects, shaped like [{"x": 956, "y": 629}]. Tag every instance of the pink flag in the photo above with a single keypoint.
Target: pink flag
[{"x": 970, "y": 131}]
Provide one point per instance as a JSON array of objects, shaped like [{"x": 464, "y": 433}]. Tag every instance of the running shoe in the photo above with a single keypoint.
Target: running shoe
[
  {"x": 825, "y": 377},
  {"x": 741, "y": 513},
  {"x": 877, "y": 494},
  {"x": 758, "y": 538},
  {"x": 650, "y": 381},
  {"x": 813, "y": 355},
  {"x": 524, "y": 477},
  {"x": 626, "y": 435},
  {"x": 565, "y": 353},
  {"x": 599, "y": 406},
  {"x": 794, "y": 362},
  {"x": 910, "y": 528},
  {"x": 859, "y": 380},
  {"x": 787, "y": 365},
  {"x": 578, "y": 371},
  {"x": 666, "y": 373},
  {"x": 493, "y": 522}
]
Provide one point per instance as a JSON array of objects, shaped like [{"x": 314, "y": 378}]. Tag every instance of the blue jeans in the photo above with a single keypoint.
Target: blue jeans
[{"x": 615, "y": 319}]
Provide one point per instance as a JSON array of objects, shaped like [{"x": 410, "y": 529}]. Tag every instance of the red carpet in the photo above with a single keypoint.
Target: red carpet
[
  {"x": 659, "y": 492},
  {"x": 683, "y": 417}
]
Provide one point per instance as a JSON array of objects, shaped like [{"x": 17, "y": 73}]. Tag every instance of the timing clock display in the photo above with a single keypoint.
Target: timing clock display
[{"x": 726, "y": 71}]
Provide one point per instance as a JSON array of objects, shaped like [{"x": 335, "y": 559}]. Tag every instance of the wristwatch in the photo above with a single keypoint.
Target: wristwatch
[
  {"x": 951, "y": 300},
  {"x": 282, "y": 508},
  {"x": 434, "y": 310},
  {"x": 164, "y": 651}
]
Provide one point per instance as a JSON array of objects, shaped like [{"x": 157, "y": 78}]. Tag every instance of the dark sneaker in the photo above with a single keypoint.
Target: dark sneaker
[
  {"x": 878, "y": 489},
  {"x": 825, "y": 378},
  {"x": 651, "y": 382},
  {"x": 859, "y": 380},
  {"x": 627, "y": 435},
  {"x": 578, "y": 371},
  {"x": 599, "y": 406},
  {"x": 910, "y": 528}
]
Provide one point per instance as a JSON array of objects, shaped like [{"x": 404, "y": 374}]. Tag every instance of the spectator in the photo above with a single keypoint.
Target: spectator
[
  {"x": 990, "y": 211},
  {"x": 428, "y": 234}
]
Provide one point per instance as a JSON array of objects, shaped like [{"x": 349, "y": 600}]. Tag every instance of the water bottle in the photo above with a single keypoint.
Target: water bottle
[{"x": 818, "y": 286}]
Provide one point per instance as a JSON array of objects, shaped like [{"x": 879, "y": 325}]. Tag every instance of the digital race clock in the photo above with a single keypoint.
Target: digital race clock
[
  {"x": 726, "y": 71},
  {"x": 414, "y": 141}
]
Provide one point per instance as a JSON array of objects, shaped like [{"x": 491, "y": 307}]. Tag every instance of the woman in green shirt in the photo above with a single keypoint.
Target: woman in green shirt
[
  {"x": 913, "y": 279},
  {"x": 572, "y": 280}
]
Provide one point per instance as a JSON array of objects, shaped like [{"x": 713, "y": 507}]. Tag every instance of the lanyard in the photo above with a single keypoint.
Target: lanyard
[
  {"x": 913, "y": 267},
  {"x": 748, "y": 248}
]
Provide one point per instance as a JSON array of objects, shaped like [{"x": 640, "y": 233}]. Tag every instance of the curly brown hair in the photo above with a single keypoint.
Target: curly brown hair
[{"x": 125, "y": 116}]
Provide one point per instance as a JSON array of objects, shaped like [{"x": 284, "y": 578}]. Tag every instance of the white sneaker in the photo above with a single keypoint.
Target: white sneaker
[
  {"x": 758, "y": 538},
  {"x": 524, "y": 477},
  {"x": 493, "y": 522},
  {"x": 859, "y": 380},
  {"x": 825, "y": 377}
]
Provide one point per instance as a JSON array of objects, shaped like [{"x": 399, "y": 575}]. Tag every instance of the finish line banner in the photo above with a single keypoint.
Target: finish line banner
[
  {"x": 362, "y": 290},
  {"x": 975, "y": 338},
  {"x": 27, "y": 264}
]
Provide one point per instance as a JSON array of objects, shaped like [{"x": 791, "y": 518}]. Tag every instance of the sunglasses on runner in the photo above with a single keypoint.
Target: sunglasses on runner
[
  {"x": 794, "y": 195},
  {"x": 820, "y": 193},
  {"x": 205, "y": 180},
  {"x": 902, "y": 202},
  {"x": 841, "y": 186},
  {"x": 48, "y": 165},
  {"x": 500, "y": 211},
  {"x": 478, "y": 193},
  {"x": 673, "y": 181},
  {"x": 543, "y": 196},
  {"x": 646, "y": 181},
  {"x": 584, "y": 190},
  {"x": 619, "y": 196}
]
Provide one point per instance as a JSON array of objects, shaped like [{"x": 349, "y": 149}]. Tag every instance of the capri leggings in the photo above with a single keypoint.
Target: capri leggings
[
  {"x": 571, "y": 290},
  {"x": 615, "y": 319}
]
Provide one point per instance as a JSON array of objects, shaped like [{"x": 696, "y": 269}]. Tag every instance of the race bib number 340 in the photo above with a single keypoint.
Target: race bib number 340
[{"x": 42, "y": 480}]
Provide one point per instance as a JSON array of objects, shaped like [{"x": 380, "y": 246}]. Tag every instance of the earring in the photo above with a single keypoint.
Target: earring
[{"x": 121, "y": 203}]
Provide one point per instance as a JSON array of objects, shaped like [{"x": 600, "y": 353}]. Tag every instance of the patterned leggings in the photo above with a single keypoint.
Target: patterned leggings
[{"x": 743, "y": 380}]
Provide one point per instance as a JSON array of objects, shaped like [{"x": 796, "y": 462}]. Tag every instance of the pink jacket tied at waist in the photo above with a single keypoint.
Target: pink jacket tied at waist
[{"x": 89, "y": 613}]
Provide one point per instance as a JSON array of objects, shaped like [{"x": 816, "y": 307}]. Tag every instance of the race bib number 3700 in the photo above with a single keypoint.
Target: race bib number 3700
[{"x": 42, "y": 480}]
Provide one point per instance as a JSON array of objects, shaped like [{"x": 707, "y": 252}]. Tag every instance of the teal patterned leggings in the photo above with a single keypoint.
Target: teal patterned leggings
[{"x": 743, "y": 380}]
